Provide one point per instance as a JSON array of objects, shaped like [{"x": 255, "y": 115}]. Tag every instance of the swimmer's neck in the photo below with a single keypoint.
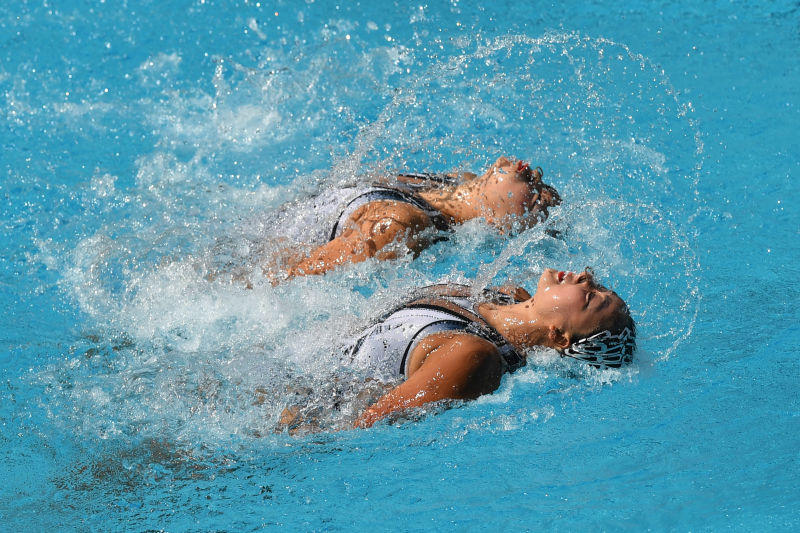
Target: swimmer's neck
[
  {"x": 516, "y": 323},
  {"x": 460, "y": 203}
]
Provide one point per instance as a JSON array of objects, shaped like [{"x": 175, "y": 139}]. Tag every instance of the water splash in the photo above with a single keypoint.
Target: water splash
[{"x": 172, "y": 350}]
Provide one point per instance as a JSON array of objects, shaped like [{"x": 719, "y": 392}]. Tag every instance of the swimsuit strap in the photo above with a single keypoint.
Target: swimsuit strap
[
  {"x": 461, "y": 290},
  {"x": 477, "y": 326},
  {"x": 411, "y": 192},
  {"x": 423, "y": 180},
  {"x": 379, "y": 192}
]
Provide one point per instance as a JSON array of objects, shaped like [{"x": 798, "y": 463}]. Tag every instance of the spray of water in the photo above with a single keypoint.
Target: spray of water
[{"x": 177, "y": 344}]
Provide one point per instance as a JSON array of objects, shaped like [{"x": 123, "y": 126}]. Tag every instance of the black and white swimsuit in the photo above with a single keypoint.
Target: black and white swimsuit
[
  {"x": 383, "y": 349},
  {"x": 375, "y": 193},
  {"x": 321, "y": 218}
]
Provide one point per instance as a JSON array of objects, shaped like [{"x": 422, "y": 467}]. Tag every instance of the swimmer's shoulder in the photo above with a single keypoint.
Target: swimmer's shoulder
[
  {"x": 455, "y": 352},
  {"x": 400, "y": 212}
]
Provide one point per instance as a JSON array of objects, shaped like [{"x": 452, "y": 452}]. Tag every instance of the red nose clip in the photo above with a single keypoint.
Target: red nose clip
[{"x": 521, "y": 166}]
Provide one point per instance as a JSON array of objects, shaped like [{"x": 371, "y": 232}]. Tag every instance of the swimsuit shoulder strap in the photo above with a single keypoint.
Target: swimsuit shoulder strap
[
  {"x": 410, "y": 194},
  {"x": 375, "y": 193},
  {"x": 477, "y": 326},
  {"x": 425, "y": 180}
]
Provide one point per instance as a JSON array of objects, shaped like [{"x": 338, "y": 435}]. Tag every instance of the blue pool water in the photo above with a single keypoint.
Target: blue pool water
[{"x": 145, "y": 146}]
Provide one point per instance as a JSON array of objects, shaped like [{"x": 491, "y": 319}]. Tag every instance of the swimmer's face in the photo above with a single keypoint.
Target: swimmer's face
[
  {"x": 506, "y": 170},
  {"x": 515, "y": 190},
  {"x": 575, "y": 303},
  {"x": 503, "y": 165}
]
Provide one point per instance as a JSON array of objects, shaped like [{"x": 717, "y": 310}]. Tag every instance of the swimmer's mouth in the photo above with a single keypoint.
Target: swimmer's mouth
[{"x": 561, "y": 274}]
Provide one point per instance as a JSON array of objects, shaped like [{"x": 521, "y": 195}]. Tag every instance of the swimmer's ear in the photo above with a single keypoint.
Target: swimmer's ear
[{"x": 558, "y": 339}]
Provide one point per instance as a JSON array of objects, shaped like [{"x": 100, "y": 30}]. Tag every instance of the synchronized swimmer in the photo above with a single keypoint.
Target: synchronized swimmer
[
  {"x": 447, "y": 343},
  {"x": 387, "y": 221}
]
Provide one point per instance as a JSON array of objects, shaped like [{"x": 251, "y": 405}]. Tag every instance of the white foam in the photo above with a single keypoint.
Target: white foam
[{"x": 194, "y": 351}]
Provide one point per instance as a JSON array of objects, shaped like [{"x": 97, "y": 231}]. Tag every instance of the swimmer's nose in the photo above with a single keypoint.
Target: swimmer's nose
[{"x": 502, "y": 161}]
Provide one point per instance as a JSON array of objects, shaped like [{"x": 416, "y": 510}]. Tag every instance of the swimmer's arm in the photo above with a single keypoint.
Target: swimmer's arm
[
  {"x": 366, "y": 237},
  {"x": 347, "y": 248},
  {"x": 459, "y": 367}
]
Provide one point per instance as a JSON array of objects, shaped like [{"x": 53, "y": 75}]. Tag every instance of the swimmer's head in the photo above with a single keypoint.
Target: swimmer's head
[
  {"x": 584, "y": 320},
  {"x": 513, "y": 194}
]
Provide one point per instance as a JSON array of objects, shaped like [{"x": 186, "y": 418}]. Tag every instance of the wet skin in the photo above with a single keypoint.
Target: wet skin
[
  {"x": 509, "y": 192},
  {"x": 461, "y": 366}
]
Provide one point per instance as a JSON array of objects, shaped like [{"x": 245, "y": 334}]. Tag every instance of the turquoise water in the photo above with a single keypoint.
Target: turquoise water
[{"x": 144, "y": 147}]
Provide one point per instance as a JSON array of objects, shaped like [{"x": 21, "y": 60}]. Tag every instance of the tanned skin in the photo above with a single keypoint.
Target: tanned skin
[
  {"x": 507, "y": 190},
  {"x": 455, "y": 366},
  {"x": 367, "y": 233},
  {"x": 462, "y": 366}
]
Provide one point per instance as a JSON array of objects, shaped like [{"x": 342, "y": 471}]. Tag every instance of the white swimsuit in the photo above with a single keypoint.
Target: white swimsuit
[{"x": 383, "y": 349}]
